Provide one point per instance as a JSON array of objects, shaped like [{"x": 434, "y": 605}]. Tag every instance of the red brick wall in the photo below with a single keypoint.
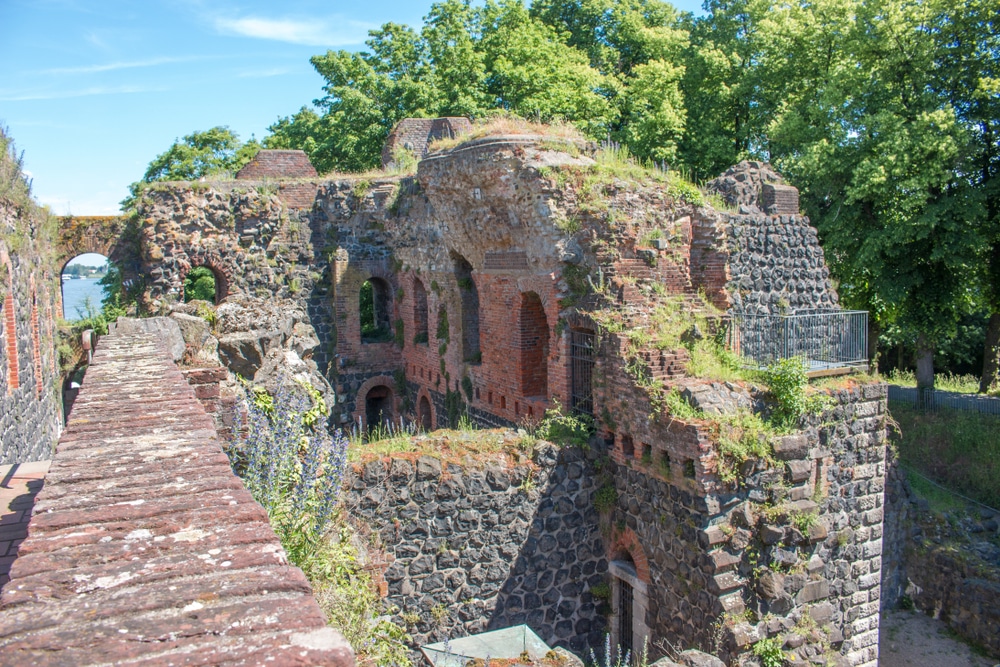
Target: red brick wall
[
  {"x": 709, "y": 261},
  {"x": 510, "y": 381},
  {"x": 10, "y": 330},
  {"x": 277, "y": 164},
  {"x": 533, "y": 342}
]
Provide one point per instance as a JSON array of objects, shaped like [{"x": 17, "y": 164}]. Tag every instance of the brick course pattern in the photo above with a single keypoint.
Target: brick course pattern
[
  {"x": 277, "y": 164},
  {"x": 414, "y": 135},
  {"x": 145, "y": 548}
]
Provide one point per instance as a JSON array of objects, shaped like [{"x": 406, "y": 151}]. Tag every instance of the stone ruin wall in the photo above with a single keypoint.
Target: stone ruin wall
[
  {"x": 472, "y": 547},
  {"x": 486, "y": 205},
  {"x": 30, "y": 301}
]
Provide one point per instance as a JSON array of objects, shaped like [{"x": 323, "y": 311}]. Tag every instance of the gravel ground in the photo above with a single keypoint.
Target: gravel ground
[{"x": 913, "y": 639}]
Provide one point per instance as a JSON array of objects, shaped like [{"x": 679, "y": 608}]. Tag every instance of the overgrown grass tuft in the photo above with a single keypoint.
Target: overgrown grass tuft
[
  {"x": 960, "y": 450},
  {"x": 963, "y": 384}
]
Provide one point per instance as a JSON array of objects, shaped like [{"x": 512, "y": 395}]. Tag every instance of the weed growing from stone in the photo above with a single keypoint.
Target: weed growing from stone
[{"x": 769, "y": 652}]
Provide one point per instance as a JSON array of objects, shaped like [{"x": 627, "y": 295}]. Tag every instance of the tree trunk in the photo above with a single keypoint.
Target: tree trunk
[
  {"x": 991, "y": 355},
  {"x": 873, "y": 333},
  {"x": 925, "y": 363}
]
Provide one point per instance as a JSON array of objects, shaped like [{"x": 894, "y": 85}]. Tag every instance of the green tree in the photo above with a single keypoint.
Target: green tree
[
  {"x": 966, "y": 78},
  {"x": 878, "y": 157},
  {"x": 216, "y": 151},
  {"x": 534, "y": 74}
]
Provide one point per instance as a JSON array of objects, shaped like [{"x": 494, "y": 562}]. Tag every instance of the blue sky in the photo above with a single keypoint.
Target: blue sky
[{"x": 92, "y": 91}]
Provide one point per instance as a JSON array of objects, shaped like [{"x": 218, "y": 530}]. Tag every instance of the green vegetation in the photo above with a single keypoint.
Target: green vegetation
[
  {"x": 217, "y": 152},
  {"x": 769, "y": 652},
  {"x": 294, "y": 469},
  {"x": 563, "y": 428},
  {"x": 958, "y": 449},
  {"x": 199, "y": 285},
  {"x": 963, "y": 384}
]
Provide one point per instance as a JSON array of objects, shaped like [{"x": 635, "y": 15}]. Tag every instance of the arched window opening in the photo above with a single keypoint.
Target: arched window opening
[
  {"x": 200, "y": 285},
  {"x": 375, "y": 308},
  {"x": 87, "y": 280},
  {"x": 582, "y": 343},
  {"x": 378, "y": 408},
  {"x": 534, "y": 346},
  {"x": 424, "y": 416},
  {"x": 419, "y": 313},
  {"x": 471, "y": 351}
]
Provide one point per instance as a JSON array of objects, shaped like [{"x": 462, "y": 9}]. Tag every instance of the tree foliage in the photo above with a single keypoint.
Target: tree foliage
[
  {"x": 885, "y": 114},
  {"x": 217, "y": 151}
]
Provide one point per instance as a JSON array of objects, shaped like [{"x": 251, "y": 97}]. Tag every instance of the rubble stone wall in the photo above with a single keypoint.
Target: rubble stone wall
[
  {"x": 477, "y": 547},
  {"x": 30, "y": 383},
  {"x": 805, "y": 537}
]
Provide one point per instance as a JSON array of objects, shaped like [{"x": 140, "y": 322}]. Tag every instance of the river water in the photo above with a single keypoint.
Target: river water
[{"x": 75, "y": 294}]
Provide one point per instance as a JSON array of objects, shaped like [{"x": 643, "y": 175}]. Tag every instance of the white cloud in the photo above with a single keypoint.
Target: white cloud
[
  {"x": 23, "y": 96},
  {"x": 108, "y": 67},
  {"x": 335, "y": 31},
  {"x": 263, "y": 73}
]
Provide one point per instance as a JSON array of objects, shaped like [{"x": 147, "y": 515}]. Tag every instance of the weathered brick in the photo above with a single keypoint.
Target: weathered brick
[{"x": 143, "y": 533}]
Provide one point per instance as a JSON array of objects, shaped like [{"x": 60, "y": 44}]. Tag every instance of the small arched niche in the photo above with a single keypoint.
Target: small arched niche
[
  {"x": 378, "y": 407},
  {"x": 424, "y": 415},
  {"x": 375, "y": 307}
]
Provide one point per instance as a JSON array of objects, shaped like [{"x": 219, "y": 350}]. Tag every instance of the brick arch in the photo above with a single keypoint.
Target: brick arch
[
  {"x": 625, "y": 541},
  {"x": 577, "y": 320},
  {"x": 96, "y": 234},
  {"x": 360, "y": 414},
  {"x": 220, "y": 269},
  {"x": 9, "y": 307},
  {"x": 424, "y": 394}
]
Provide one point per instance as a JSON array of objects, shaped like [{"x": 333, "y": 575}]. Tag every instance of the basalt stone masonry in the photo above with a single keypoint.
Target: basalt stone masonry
[
  {"x": 476, "y": 547},
  {"x": 145, "y": 548},
  {"x": 30, "y": 399},
  {"x": 803, "y": 539}
]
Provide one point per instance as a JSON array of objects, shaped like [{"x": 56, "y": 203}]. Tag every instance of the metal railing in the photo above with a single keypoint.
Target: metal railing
[
  {"x": 932, "y": 400},
  {"x": 823, "y": 339}
]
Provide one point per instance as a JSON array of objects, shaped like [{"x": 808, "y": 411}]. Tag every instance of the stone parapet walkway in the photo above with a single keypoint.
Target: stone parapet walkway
[
  {"x": 145, "y": 548},
  {"x": 19, "y": 484}
]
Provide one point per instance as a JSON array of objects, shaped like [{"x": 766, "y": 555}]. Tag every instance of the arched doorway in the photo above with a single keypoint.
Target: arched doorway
[
  {"x": 424, "y": 416},
  {"x": 375, "y": 308},
  {"x": 378, "y": 407},
  {"x": 85, "y": 281}
]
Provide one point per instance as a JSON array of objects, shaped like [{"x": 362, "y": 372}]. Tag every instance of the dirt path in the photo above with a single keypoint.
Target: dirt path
[{"x": 913, "y": 639}]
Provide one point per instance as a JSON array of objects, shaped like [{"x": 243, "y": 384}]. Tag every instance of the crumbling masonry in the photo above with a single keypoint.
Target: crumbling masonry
[{"x": 515, "y": 274}]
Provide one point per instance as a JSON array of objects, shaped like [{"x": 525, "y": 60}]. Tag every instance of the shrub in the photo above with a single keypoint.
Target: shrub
[
  {"x": 565, "y": 429},
  {"x": 294, "y": 468},
  {"x": 769, "y": 652},
  {"x": 787, "y": 381},
  {"x": 290, "y": 464}
]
